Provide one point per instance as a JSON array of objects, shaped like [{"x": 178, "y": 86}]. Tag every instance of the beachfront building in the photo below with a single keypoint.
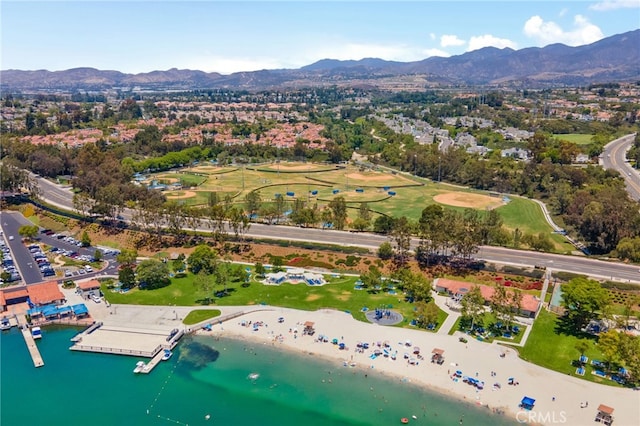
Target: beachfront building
[
  {"x": 46, "y": 293},
  {"x": 12, "y": 296},
  {"x": 294, "y": 276},
  {"x": 88, "y": 288},
  {"x": 529, "y": 304}
]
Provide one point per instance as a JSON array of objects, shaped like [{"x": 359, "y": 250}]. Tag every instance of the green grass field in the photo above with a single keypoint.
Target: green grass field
[
  {"x": 576, "y": 138},
  {"x": 338, "y": 294},
  {"x": 320, "y": 183},
  {"x": 549, "y": 348}
]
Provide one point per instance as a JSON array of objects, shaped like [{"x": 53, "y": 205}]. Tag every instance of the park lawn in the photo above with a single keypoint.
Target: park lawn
[
  {"x": 527, "y": 216},
  {"x": 338, "y": 294},
  {"x": 199, "y": 315},
  {"x": 489, "y": 319},
  {"x": 548, "y": 348},
  {"x": 576, "y": 138},
  {"x": 191, "y": 179}
]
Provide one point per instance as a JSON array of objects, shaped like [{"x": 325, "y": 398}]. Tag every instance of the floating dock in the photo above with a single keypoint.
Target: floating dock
[{"x": 31, "y": 343}]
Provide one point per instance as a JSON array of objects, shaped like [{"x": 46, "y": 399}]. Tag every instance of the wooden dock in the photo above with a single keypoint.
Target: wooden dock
[
  {"x": 31, "y": 343},
  {"x": 153, "y": 363}
]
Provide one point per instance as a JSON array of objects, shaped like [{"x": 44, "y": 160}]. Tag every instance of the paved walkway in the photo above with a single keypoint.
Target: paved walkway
[{"x": 452, "y": 315}]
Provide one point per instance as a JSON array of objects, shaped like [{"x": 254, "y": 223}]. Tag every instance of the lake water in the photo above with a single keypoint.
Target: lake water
[{"x": 78, "y": 388}]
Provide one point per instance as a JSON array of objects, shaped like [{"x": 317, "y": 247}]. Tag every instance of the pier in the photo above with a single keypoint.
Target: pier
[{"x": 30, "y": 341}]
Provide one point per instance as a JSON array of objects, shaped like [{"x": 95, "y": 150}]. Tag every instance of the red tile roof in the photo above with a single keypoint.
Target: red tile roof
[
  {"x": 89, "y": 285},
  {"x": 11, "y": 293},
  {"x": 528, "y": 303},
  {"x": 41, "y": 294}
]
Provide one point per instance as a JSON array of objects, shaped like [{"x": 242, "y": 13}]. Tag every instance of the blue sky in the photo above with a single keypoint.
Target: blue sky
[{"x": 227, "y": 36}]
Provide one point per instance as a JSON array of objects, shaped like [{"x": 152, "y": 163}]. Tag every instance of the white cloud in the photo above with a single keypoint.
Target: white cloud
[
  {"x": 549, "y": 32},
  {"x": 486, "y": 40},
  {"x": 427, "y": 53},
  {"x": 563, "y": 12},
  {"x": 451, "y": 40},
  {"x": 615, "y": 4},
  {"x": 432, "y": 36}
]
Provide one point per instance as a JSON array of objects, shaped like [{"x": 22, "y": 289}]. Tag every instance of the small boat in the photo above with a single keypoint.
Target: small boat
[
  {"x": 253, "y": 376},
  {"x": 140, "y": 365},
  {"x": 36, "y": 332},
  {"x": 167, "y": 354},
  {"x": 5, "y": 324},
  {"x": 404, "y": 420}
]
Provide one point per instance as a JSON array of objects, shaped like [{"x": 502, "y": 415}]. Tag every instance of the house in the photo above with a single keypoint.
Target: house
[
  {"x": 529, "y": 304},
  {"x": 45, "y": 293},
  {"x": 516, "y": 153},
  {"x": 12, "y": 296},
  {"x": 88, "y": 288}
]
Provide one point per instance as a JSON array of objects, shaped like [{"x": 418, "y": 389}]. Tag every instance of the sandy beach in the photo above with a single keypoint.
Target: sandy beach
[{"x": 559, "y": 399}]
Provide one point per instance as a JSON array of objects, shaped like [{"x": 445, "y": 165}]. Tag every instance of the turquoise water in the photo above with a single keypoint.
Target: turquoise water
[{"x": 76, "y": 388}]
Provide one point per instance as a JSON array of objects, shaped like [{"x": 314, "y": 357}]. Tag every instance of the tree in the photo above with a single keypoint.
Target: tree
[
  {"x": 339, "y": 208},
  {"x": 383, "y": 224},
  {"x": 253, "y": 200},
  {"x": 127, "y": 277},
  {"x": 583, "y": 299},
  {"x": 177, "y": 264},
  {"x": 364, "y": 213},
  {"x": 277, "y": 263},
  {"x": 152, "y": 274},
  {"x": 204, "y": 282},
  {"x": 372, "y": 278},
  {"x": 127, "y": 257},
  {"x": 609, "y": 345},
  {"x": 401, "y": 235},
  {"x": 582, "y": 346},
  {"x": 97, "y": 255},
  {"x": 202, "y": 258},
  {"x": 360, "y": 224},
  {"x": 28, "y": 231},
  {"x": 85, "y": 239},
  {"x": 260, "y": 269},
  {"x": 426, "y": 314},
  {"x": 473, "y": 305},
  {"x": 385, "y": 251}
]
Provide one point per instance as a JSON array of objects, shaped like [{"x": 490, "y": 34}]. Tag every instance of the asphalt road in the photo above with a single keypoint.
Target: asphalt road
[
  {"x": 614, "y": 157},
  {"x": 62, "y": 197}
]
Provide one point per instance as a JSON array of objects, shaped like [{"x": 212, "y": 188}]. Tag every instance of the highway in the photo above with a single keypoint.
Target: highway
[
  {"x": 62, "y": 197},
  {"x": 614, "y": 157}
]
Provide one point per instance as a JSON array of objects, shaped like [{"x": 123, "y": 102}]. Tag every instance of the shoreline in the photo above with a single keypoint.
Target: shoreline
[{"x": 559, "y": 398}]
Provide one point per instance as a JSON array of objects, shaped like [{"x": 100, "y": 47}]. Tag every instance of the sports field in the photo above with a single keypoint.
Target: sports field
[{"x": 384, "y": 191}]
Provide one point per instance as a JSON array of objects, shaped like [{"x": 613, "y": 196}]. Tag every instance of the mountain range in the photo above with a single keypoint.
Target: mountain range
[{"x": 612, "y": 59}]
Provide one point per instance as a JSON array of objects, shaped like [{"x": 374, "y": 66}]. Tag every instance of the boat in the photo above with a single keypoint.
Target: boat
[
  {"x": 253, "y": 376},
  {"x": 167, "y": 354},
  {"x": 5, "y": 324},
  {"x": 36, "y": 332},
  {"x": 140, "y": 365}
]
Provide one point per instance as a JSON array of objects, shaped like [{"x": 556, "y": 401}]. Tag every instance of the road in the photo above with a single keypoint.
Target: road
[
  {"x": 62, "y": 197},
  {"x": 614, "y": 157}
]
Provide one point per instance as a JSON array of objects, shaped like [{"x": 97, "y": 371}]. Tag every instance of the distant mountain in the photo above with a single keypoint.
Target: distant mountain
[{"x": 616, "y": 58}]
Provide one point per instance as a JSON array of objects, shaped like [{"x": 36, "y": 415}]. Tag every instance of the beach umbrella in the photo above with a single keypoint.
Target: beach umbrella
[
  {"x": 416, "y": 350},
  {"x": 334, "y": 341}
]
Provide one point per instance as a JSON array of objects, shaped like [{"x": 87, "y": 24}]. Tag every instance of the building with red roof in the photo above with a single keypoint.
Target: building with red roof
[
  {"x": 88, "y": 287},
  {"x": 529, "y": 305},
  {"x": 45, "y": 293},
  {"x": 12, "y": 296}
]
